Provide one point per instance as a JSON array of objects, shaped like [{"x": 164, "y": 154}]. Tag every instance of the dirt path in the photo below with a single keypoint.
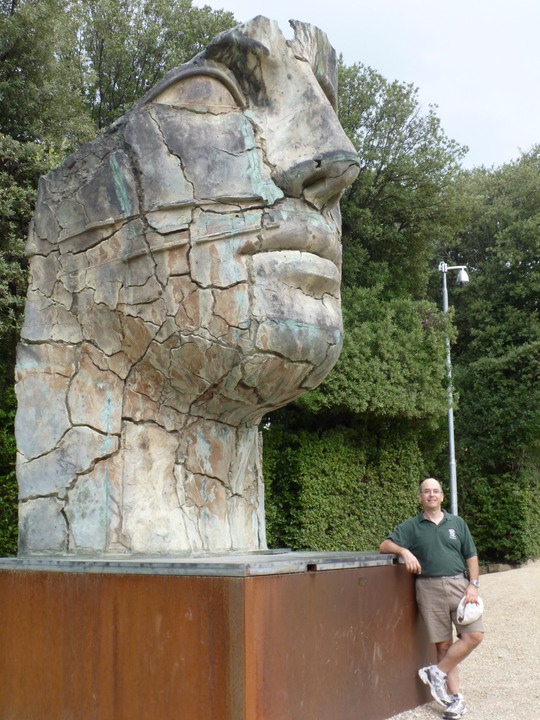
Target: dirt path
[{"x": 501, "y": 679}]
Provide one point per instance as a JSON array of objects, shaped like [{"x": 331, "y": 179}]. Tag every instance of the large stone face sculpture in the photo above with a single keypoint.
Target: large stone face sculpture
[{"x": 184, "y": 281}]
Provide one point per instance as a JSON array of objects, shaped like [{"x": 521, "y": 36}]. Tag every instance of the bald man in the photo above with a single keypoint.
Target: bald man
[{"x": 438, "y": 548}]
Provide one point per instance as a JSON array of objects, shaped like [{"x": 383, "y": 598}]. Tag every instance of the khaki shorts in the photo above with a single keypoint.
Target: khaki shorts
[{"x": 438, "y": 598}]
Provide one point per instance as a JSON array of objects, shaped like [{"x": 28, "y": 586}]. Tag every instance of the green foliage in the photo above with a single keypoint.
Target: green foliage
[
  {"x": 338, "y": 489},
  {"x": 39, "y": 78},
  {"x": 126, "y": 47},
  {"x": 41, "y": 119},
  {"x": 392, "y": 363},
  {"x": 400, "y": 203},
  {"x": 8, "y": 483},
  {"x": 502, "y": 510},
  {"x": 530, "y": 494},
  {"x": 497, "y": 358}
]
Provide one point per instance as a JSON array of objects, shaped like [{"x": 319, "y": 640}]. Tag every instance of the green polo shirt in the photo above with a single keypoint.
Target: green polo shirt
[{"x": 440, "y": 549}]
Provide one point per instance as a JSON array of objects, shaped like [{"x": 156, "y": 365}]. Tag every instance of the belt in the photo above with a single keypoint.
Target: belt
[{"x": 440, "y": 577}]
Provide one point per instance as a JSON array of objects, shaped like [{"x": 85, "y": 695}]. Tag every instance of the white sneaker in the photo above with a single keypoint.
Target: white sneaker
[
  {"x": 457, "y": 709},
  {"x": 436, "y": 680}
]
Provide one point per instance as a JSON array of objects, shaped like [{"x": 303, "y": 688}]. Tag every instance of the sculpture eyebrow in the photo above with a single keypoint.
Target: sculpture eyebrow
[
  {"x": 236, "y": 52},
  {"x": 232, "y": 49},
  {"x": 231, "y": 40},
  {"x": 229, "y": 50}
]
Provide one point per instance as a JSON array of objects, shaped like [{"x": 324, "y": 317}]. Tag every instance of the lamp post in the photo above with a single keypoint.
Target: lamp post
[{"x": 462, "y": 278}]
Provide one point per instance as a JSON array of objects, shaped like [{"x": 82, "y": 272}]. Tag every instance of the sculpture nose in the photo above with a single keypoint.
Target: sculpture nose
[{"x": 320, "y": 180}]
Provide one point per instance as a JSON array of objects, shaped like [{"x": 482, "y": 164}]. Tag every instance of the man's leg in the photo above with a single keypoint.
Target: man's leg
[
  {"x": 452, "y": 677},
  {"x": 449, "y": 655},
  {"x": 443, "y": 678}
]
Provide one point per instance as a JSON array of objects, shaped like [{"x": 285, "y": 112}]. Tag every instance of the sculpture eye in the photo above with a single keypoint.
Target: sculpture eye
[{"x": 201, "y": 92}]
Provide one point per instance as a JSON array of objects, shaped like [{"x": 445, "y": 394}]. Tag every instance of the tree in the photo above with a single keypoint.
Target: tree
[
  {"x": 399, "y": 204},
  {"x": 126, "y": 47},
  {"x": 496, "y": 360},
  {"x": 40, "y": 99}
]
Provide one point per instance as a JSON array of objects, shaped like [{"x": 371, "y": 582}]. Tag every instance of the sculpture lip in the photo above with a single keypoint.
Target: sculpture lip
[
  {"x": 293, "y": 226},
  {"x": 315, "y": 276}
]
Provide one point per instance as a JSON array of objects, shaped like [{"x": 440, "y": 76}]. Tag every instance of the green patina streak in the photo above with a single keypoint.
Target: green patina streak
[
  {"x": 122, "y": 192},
  {"x": 297, "y": 326},
  {"x": 266, "y": 189}
]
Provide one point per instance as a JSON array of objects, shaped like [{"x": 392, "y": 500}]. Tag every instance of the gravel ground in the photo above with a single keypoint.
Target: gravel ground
[{"x": 501, "y": 678}]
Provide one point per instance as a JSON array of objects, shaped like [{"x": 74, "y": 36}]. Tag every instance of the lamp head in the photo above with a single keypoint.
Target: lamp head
[{"x": 463, "y": 277}]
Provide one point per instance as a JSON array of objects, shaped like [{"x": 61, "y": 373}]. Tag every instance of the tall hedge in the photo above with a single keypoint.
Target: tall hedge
[
  {"x": 340, "y": 488},
  {"x": 503, "y": 512}
]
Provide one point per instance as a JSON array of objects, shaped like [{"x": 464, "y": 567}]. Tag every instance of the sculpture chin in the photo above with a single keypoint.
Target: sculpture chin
[
  {"x": 297, "y": 305},
  {"x": 289, "y": 351}
]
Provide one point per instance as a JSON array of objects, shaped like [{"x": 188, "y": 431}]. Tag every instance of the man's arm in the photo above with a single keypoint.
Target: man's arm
[
  {"x": 471, "y": 594},
  {"x": 410, "y": 560}
]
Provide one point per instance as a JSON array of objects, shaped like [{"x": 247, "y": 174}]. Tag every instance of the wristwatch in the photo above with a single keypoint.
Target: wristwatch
[{"x": 475, "y": 583}]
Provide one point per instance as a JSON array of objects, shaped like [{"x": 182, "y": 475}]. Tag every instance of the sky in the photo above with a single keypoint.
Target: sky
[{"x": 478, "y": 61}]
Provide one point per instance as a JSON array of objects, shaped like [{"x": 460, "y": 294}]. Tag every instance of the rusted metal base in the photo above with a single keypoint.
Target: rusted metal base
[{"x": 313, "y": 645}]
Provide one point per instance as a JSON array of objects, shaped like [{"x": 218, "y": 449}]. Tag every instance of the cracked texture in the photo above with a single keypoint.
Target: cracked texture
[{"x": 184, "y": 281}]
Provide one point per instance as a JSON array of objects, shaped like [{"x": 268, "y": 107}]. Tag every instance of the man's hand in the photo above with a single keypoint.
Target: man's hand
[
  {"x": 411, "y": 562},
  {"x": 471, "y": 594}
]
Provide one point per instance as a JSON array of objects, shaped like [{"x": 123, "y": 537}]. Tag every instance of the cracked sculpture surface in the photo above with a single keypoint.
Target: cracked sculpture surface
[{"x": 184, "y": 281}]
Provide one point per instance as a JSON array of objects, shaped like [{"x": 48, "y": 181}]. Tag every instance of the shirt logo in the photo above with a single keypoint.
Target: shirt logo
[{"x": 452, "y": 534}]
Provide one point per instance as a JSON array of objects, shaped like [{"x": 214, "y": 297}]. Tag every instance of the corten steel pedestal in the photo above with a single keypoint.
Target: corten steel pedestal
[{"x": 289, "y": 636}]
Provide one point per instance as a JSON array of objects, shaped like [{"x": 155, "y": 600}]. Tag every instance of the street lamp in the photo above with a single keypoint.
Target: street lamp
[{"x": 462, "y": 279}]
